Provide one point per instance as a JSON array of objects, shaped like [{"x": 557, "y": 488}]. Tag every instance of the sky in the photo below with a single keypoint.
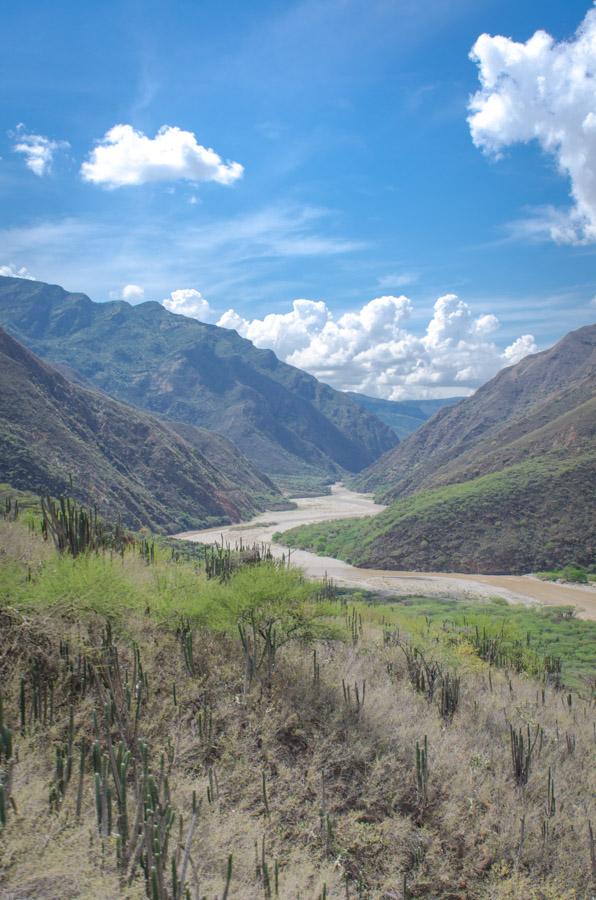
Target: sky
[{"x": 398, "y": 197}]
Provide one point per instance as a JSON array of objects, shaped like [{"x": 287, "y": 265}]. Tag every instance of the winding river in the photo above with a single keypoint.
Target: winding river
[{"x": 342, "y": 504}]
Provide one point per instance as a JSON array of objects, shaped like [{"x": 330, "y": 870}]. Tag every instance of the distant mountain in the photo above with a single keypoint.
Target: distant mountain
[
  {"x": 402, "y": 416},
  {"x": 503, "y": 482},
  {"x": 127, "y": 462},
  {"x": 283, "y": 420}
]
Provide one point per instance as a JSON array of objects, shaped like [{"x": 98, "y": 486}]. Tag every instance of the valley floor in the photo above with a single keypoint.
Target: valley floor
[{"x": 342, "y": 503}]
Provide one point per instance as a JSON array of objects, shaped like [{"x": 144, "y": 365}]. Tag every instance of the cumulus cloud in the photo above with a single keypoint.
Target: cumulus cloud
[
  {"x": 11, "y": 271},
  {"x": 521, "y": 347},
  {"x": 125, "y": 156},
  {"x": 544, "y": 90},
  {"x": 37, "y": 149},
  {"x": 189, "y": 302},
  {"x": 134, "y": 293},
  {"x": 372, "y": 351}
]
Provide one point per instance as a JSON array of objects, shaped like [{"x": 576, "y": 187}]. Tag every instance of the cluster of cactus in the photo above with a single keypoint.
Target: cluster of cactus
[
  {"x": 354, "y": 700},
  {"x": 36, "y": 701},
  {"x": 326, "y": 590},
  {"x": 11, "y": 509},
  {"x": 222, "y": 560},
  {"x": 423, "y": 674},
  {"x": 522, "y": 751},
  {"x": 259, "y": 639},
  {"x": 426, "y": 675},
  {"x": 146, "y": 550},
  {"x": 449, "y": 697},
  {"x": 354, "y": 624},
  {"x": 74, "y": 529},
  {"x": 553, "y": 672}
]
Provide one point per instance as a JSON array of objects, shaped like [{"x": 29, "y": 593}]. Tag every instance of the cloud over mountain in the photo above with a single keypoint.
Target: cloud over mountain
[
  {"x": 189, "y": 302},
  {"x": 544, "y": 90},
  {"x": 125, "y": 156},
  {"x": 372, "y": 351}
]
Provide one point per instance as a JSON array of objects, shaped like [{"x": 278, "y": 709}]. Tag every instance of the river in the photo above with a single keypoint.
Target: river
[{"x": 342, "y": 504}]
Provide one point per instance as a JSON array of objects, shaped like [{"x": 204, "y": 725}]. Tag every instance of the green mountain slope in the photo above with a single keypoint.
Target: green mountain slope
[
  {"x": 503, "y": 482},
  {"x": 282, "y": 419},
  {"x": 402, "y": 416},
  {"x": 524, "y": 518},
  {"x": 125, "y": 461}
]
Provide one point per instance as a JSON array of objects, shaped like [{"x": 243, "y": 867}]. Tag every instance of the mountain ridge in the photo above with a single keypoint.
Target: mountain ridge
[
  {"x": 57, "y": 437},
  {"x": 282, "y": 419}
]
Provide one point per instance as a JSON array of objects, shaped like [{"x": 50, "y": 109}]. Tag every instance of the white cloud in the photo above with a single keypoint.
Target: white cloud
[
  {"x": 189, "y": 302},
  {"x": 544, "y": 90},
  {"x": 372, "y": 351},
  {"x": 134, "y": 293},
  {"x": 521, "y": 347},
  {"x": 11, "y": 271},
  {"x": 125, "y": 156},
  {"x": 37, "y": 149}
]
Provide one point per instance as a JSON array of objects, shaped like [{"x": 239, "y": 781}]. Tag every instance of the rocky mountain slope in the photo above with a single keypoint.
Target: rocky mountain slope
[
  {"x": 503, "y": 482},
  {"x": 537, "y": 406},
  {"x": 126, "y": 461},
  {"x": 283, "y": 420}
]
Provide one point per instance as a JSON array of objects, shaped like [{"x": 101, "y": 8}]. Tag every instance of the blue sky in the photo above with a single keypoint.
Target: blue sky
[{"x": 361, "y": 178}]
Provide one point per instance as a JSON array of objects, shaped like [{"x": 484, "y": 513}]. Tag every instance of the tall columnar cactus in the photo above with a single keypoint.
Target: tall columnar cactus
[
  {"x": 522, "y": 749},
  {"x": 422, "y": 770}
]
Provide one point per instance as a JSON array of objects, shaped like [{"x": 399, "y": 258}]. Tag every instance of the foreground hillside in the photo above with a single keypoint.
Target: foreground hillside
[
  {"x": 285, "y": 421},
  {"x": 504, "y": 482},
  {"x": 54, "y": 434},
  {"x": 148, "y": 749}
]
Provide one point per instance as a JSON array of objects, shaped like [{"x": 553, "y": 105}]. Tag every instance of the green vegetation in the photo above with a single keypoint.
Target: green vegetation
[
  {"x": 515, "y": 520},
  {"x": 572, "y": 573},
  {"x": 178, "y": 719},
  {"x": 304, "y": 485}
]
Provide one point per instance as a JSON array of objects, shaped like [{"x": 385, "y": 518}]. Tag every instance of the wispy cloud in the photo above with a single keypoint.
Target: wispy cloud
[
  {"x": 38, "y": 150},
  {"x": 219, "y": 254}
]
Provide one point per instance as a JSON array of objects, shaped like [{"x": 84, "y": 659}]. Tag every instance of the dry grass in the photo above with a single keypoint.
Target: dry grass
[{"x": 343, "y": 810}]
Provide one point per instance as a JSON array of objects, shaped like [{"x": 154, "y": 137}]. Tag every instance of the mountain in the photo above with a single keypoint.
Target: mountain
[
  {"x": 402, "y": 416},
  {"x": 282, "y": 419},
  {"x": 503, "y": 482},
  {"x": 531, "y": 408},
  {"x": 125, "y": 461}
]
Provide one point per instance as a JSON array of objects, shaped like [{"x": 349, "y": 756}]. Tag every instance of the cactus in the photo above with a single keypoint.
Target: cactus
[
  {"x": 551, "y": 803},
  {"x": 449, "y": 699},
  {"x": 6, "y": 737},
  {"x": 264, "y": 794},
  {"x": 522, "y": 749},
  {"x": 422, "y": 770}
]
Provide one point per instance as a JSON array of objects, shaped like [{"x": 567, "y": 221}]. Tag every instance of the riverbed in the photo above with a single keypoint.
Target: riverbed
[{"x": 343, "y": 504}]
